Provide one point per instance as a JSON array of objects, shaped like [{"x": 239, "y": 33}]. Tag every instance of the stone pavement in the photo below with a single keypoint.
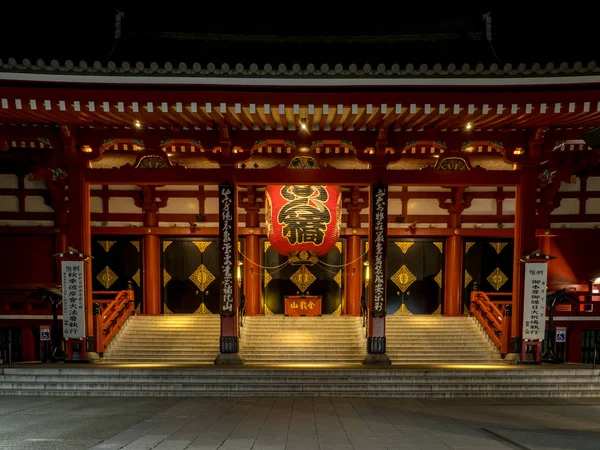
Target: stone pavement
[{"x": 69, "y": 423}]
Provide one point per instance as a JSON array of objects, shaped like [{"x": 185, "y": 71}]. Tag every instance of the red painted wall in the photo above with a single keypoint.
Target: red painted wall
[
  {"x": 577, "y": 256},
  {"x": 27, "y": 259}
]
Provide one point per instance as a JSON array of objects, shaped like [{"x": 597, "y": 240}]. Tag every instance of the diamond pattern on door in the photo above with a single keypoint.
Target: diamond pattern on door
[
  {"x": 497, "y": 279},
  {"x": 403, "y": 278},
  {"x": 303, "y": 278},
  {"x": 107, "y": 277},
  {"x": 202, "y": 277}
]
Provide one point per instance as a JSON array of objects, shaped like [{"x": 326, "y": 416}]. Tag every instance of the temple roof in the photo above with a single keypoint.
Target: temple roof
[{"x": 438, "y": 43}]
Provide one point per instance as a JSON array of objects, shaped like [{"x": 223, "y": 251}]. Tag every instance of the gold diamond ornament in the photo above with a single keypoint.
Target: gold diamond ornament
[
  {"x": 166, "y": 277},
  {"x": 468, "y": 278},
  {"x": 404, "y": 246},
  {"x": 440, "y": 246},
  {"x": 468, "y": 246},
  {"x": 267, "y": 278},
  {"x": 403, "y": 278},
  {"x": 498, "y": 246},
  {"x": 136, "y": 244},
  {"x": 202, "y": 277},
  {"x": 106, "y": 245},
  {"x": 497, "y": 279},
  {"x": 136, "y": 277},
  {"x": 107, "y": 277},
  {"x": 438, "y": 278},
  {"x": 303, "y": 278},
  {"x": 202, "y": 245},
  {"x": 338, "y": 278}
]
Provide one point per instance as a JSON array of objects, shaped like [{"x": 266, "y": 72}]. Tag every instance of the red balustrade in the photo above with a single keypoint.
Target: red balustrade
[
  {"x": 494, "y": 317},
  {"x": 110, "y": 315}
]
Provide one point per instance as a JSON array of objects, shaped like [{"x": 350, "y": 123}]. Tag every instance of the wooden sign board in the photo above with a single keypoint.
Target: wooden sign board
[{"x": 303, "y": 305}]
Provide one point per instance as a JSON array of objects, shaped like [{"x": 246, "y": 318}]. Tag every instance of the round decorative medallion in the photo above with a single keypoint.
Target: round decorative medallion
[{"x": 354, "y": 231}]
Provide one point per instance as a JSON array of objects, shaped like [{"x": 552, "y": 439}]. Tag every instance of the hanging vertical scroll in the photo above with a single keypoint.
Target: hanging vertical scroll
[
  {"x": 534, "y": 307},
  {"x": 228, "y": 246},
  {"x": 379, "y": 211},
  {"x": 72, "y": 294}
]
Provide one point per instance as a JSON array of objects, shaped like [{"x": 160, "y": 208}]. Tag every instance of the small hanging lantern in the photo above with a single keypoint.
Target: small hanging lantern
[{"x": 303, "y": 222}]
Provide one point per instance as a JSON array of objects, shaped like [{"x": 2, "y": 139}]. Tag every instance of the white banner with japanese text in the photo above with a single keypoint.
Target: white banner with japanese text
[
  {"x": 72, "y": 295},
  {"x": 534, "y": 308}
]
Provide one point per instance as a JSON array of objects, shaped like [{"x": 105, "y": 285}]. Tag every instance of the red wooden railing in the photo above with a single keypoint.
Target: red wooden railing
[
  {"x": 494, "y": 317},
  {"x": 110, "y": 315}
]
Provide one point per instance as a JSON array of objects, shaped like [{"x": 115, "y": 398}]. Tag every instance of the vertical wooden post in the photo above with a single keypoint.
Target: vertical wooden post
[
  {"x": 525, "y": 242},
  {"x": 453, "y": 276},
  {"x": 151, "y": 278},
  {"x": 354, "y": 270},
  {"x": 80, "y": 234},
  {"x": 98, "y": 330},
  {"x": 252, "y": 274}
]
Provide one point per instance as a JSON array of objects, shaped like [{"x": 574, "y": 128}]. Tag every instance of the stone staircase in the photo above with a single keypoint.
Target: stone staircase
[
  {"x": 438, "y": 339},
  {"x": 166, "y": 339},
  {"x": 281, "y": 339},
  {"x": 503, "y": 382}
]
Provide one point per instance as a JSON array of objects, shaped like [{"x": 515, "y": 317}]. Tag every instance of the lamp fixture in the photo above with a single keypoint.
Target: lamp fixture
[
  {"x": 518, "y": 151},
  {"x": 303, "y": 124},
  {"x": 469, "y": 126},
  {"x": 138, "y": 124}
]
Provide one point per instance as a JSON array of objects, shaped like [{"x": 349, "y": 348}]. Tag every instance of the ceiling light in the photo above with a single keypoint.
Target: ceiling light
[
  {"x": 518, "y": 151},
  {"x": 138, "y": 124},
  {"x": 303, "y": 124},
  {"x": 469, "y": 126}
]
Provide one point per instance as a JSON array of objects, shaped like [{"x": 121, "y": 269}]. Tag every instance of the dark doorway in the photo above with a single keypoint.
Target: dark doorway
[
  {"x": 415, "y": 276},
  {"x": 190, "y": 276},
  {"x": 488, "y": 263},
  {"x": 117, "y": 263}
]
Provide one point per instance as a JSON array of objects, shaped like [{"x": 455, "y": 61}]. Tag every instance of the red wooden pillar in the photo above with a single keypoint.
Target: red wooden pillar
[
  {"x": 354, "y": 271},
  {"x": 453, "y": 276},
  {"x": 151, "y": 278},
  {"x": 80, "y": 234},
  {"x": 525, "y": 242},
  {"x": 27, "y": 344},
  {"x": 252, "y": 274}
]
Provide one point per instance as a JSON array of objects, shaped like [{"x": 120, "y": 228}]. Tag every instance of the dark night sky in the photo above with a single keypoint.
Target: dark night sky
[{"x": 303, "y": 35}]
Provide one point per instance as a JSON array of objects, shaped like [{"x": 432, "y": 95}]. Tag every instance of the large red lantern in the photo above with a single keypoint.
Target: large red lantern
[{"x": 303, "y": 221}]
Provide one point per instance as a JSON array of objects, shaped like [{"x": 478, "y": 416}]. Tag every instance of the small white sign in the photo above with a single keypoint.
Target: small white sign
[
  {"x": 534, "y": 308},
  {"x": 561, "y": 334},
  {"x": 44, "y": 332},
  {"x": 72, "y": 294}
]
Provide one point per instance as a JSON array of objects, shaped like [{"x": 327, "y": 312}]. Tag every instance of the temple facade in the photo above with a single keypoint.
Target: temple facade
[{"x": 156, "y": 181}]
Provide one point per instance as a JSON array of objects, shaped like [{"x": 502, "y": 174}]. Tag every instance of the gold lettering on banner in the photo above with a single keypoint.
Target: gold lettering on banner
[
  {"x": 404, "y": 246},
  {"x": 202, "y": 245},
  {"x": 498, "y": 246},
  {"x": 107, "y": 277},
  {"x": 338, "y": 278},
  {"x": 438, "y": 278},
  {"x": 136, "y": 277},
  {"x": 166, "y": 244},
  {"x": 468, "y": 278},
  {"x": 166, "y": 277},
  {"x": 403, "y": 278},
  {"x": 440, "y": 246},
  {"x": 497, "y": 279},
  {"x": 468, "y": 246},
  {"x": 303, "y": 278},
  {"x": 136, "y": 244},
  {"x": 106, "y": 245},
  {"x": 202, "y": 277}
]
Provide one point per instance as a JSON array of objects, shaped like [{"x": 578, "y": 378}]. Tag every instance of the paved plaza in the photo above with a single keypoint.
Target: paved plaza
[{"x": 65, "y": 423}]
